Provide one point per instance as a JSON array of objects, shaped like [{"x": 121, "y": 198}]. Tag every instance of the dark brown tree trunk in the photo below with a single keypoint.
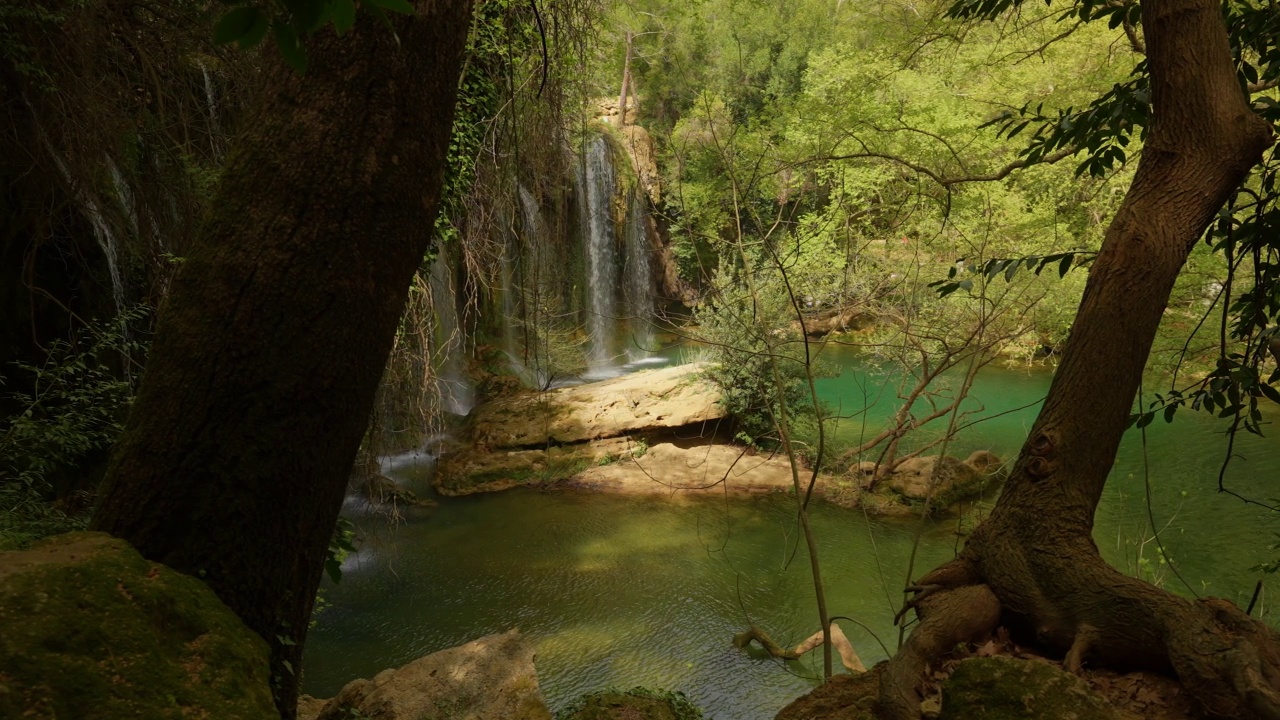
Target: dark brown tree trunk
[
  {"x": 1034, "y": 559},
  {"x": 269, "y": 349}
]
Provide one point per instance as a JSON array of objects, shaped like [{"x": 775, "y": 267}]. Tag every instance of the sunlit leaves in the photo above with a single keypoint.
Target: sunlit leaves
[
  {"x": 1008, "y": 267},
  {"x": 1102, "y": 130}
]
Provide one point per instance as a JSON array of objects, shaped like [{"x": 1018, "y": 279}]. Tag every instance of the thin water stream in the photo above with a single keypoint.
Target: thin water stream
[{"x": 627, "y": 591}]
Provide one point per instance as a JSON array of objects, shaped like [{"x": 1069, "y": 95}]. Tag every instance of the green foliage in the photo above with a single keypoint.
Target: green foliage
[
  {"x": 16, "y": 20},
  {"x": 872, "y": 170},
  {"x": 341, "y": 545},
  {"x": 288, "y": 21},
  {"x": 1008, "y": 267},
  {"x": 1247, "y": 234},
  {"x": 1102, "y": 130},
  {"x": 77, "y": 408},
  {"x": 639, "y": 702},
  {"x": 745, "y": 342}
]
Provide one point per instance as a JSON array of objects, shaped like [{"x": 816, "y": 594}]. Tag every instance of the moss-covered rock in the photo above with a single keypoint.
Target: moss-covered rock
[
  {"x": 843, "y": 697},
  {"x": 90, "y": 630},
  {"x": 635, "y": 704},
  {"x": 1001, "y": 688},
  {"x": 949, "y": 480}
]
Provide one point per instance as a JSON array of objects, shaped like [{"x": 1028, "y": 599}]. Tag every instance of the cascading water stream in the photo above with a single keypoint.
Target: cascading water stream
[
  {"x": 124, "y": 195},
  {"x": 507, "y": 269},
  {"x": 212, "y": 99},
  {"x": 457, "y": 397},
  {"x": 529, "y": 244},
  {"x": 638, "y": 281},
  {"x": 101, "y": 229},
  {"x": 602, "y": 291}
]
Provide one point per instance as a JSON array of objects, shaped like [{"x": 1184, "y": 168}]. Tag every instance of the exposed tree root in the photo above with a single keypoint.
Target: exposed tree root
[
  {"x": 1068, "y": 602},
  {"x": 848, "y": 656},
  {"x": 947, "y": 618}
]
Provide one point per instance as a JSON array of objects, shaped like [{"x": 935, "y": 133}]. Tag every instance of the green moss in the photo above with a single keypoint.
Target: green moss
[
  {"x": 638, "y": 703},
  {"x": 1000, "y": 688},
  {"x": 91, "y": 630},
  {"x": 843, "y": 697}
]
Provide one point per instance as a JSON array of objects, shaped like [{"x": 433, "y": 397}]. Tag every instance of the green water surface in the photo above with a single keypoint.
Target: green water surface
[{"x": 623, "y": 591}]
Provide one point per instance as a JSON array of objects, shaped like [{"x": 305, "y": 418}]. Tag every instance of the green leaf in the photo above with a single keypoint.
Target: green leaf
[
  {"x": 333, "y": 568},
  {"x": 307, "y": 14},
  {"x": 1011, "y": 270},
  {"x": 344, "y": 15},
  {"x": 290, "y": 47},
  {"x": 256, "y": 33},
  {"x": 1271, "y": 393},
  {"x": 236, "y": 24}
]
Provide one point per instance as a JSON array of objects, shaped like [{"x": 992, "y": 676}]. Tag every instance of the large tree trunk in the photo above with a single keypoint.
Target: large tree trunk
[
  {"x": 269, "y": 350},
  {"x": 1034, "y": 561}
]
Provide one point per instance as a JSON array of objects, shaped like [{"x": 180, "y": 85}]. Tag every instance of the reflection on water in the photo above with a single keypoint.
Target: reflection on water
[{"x": 626, "y": 591}]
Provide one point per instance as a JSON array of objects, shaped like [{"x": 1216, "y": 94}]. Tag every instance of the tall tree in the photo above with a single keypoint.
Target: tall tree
[
  {"x": 1033, "y": 564},
  {"x": 234, "y": 461}
]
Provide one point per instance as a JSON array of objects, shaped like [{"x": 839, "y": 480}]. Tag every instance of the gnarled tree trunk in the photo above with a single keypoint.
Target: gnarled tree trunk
[
  {"x": 269, "y": 350},
  {"x": 1033, "y": 564}
]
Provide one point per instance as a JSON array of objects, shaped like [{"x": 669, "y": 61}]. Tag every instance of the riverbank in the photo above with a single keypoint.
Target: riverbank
[
  {"x": 648, "y": 589},
  {"x": 665, "y": 431}
]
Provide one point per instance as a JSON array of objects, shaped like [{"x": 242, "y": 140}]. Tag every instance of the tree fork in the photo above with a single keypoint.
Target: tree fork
[
  {"x": 1035, "y": 552},
  {"x": 235, "y": 457}
]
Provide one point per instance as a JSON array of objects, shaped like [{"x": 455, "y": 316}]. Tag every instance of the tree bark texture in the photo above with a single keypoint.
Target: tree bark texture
[
  {"x": 1035, "y": 554},
  {"x": 269, "y": 350}
]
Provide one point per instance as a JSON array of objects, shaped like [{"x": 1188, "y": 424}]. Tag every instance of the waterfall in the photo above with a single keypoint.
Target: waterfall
[
  {"x": 601, "y": 301},
  {"x": 457, "y": 397},
  {"x": 101, "y": 229},
  {"x": 528, "y": 242},
  {"x": 124, "y": 195},
  {"x": 638, "y": 280},
  {"x": 511, "y": 286},
  {"x": 212, "y": 101}
]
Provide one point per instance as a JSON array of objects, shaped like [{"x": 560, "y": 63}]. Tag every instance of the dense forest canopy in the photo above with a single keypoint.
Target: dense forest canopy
[{"x": 328, "y": 229}]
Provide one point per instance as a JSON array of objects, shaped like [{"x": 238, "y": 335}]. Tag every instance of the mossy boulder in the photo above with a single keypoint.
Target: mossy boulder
[
  {"x": 91, "y": 630},
  {"x": 949, "y": 480},
  {"x": 843, "y": 697},
  {"x": 635, "y": 704},
  {"x": 1002, "y": 688}
]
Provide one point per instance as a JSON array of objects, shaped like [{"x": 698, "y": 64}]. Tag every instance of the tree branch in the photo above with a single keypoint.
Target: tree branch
[{"x": 946, "y": 181}]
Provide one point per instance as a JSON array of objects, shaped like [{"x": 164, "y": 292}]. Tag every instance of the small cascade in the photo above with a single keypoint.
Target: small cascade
[
  {"x": 528, "y": 242},
  {"x": 211, "y": 99},
  {"x": 507, "y": 268},
  {"x": 638, "y": 280},
  {"x": 102, "y": 232},
  {"x": 457, "y": 396},
  {"x": 124, "y": 195},
  {"x": 597, "y": 187}
]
